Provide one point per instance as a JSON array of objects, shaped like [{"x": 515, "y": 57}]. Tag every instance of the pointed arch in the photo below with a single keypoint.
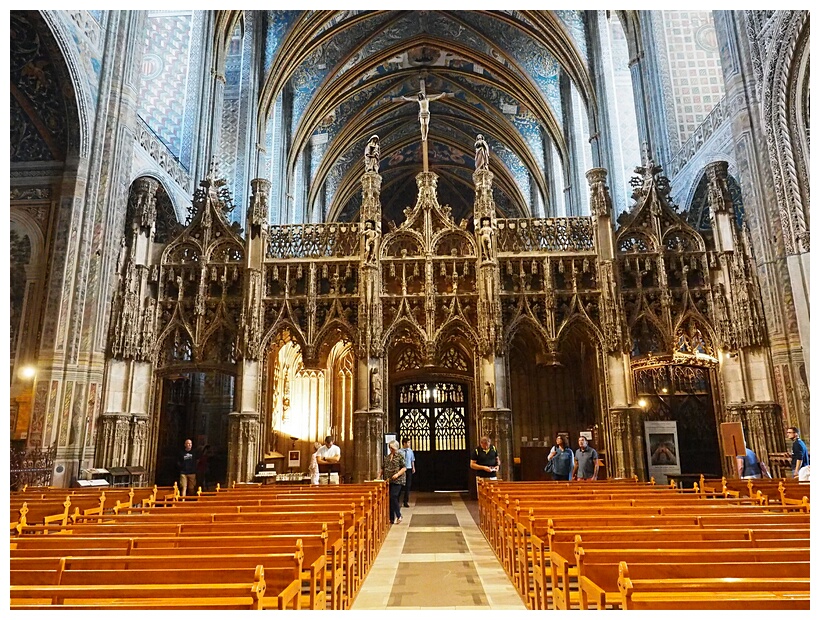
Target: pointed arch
[
  {"x": 174, "y": 346},
  {"x": 580, "y": 321}
]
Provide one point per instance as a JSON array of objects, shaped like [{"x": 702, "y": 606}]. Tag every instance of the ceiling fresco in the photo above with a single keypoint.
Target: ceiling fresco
[{"x": 503, "y": 68}]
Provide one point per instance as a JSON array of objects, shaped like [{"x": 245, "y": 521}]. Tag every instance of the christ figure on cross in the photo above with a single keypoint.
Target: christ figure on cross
[{"x": 423, "y": 100}]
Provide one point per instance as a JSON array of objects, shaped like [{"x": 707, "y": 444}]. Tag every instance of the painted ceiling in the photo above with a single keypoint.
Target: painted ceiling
[{"x": 346, "y": 67}]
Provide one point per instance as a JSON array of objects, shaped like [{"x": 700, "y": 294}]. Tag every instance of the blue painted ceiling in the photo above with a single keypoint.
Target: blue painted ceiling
[{"x": 345, "y": 67}]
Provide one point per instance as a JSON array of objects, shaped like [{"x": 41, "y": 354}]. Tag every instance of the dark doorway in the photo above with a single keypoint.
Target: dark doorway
[
  {"x": 433, "y": 415},
  {"x": 683, "y": 394},
  {"x": 195, "y": 406}
]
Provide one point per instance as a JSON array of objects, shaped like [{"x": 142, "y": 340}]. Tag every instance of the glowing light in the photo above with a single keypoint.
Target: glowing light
[
  {"x": 642, "y": 403},
  {"x": 664, "y": 390},
  {"x": 27, "y": 372}
]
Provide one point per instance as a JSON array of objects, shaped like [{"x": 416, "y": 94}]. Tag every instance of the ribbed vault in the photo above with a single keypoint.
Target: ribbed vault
[{"x": 344, "y": 69}]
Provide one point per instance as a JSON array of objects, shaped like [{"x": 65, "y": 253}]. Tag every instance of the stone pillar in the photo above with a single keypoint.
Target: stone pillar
[
  {"x": 243, "y": 446},
  {"x": 619, "y": 465},
  {"x": 754, "y": 52},
  {"x": 496, "y": 423},
  {"x": 368, "y": 437},
  {"x": 637, "y": 454}
]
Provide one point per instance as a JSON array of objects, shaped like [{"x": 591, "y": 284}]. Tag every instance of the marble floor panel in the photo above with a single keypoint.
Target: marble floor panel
[{"x": 437, "y": 558}]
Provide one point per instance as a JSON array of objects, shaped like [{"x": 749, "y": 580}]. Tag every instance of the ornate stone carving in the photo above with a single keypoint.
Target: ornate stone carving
[
  {"x": 258, "y": 210},
  {"x": 600, "y": 202},
  {"x": 166, "y": 160},
  {"x": 375, "y": 389}
]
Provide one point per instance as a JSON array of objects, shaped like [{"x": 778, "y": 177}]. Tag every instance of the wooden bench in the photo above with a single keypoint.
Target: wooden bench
[
  {"x": 249, "y": 594},
  {"x": 599, "y": 584},
  {"x": 712, "y": 593},
  {"x": 678, "y": 556}
]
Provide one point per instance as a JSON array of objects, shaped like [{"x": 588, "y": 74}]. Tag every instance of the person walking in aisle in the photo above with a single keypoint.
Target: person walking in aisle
[
  {"x": 410, "y": 465},
  {"x": 393, "y": 470}
]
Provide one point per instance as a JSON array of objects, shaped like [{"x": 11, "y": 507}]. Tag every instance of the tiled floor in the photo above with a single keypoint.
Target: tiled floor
[{"x": 437, "y": 558}]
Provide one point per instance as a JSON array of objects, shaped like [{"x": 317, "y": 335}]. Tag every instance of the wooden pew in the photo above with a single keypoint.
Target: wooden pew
[
  {"x": 599, "y": 584},
  {"x": 682, "y": 556},
  {"x": 249, "y": 594},
  {"x": 712, "y": 593}
]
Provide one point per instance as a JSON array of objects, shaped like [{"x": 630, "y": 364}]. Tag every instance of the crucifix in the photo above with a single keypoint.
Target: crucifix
[{"x": 423, "y": 99}]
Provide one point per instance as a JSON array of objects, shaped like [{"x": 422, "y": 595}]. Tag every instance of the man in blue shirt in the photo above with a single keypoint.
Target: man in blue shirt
[
  {"x": 800, "y": 454},
  {"x": 410, "y": 464}
]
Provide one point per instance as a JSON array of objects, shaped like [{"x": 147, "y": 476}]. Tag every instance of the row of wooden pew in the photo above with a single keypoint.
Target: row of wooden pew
[
  {"x": 786, "y": 491},
  {"x": 43, "y": 505},
  {"x": 248, "y": 547},
  {"x": 625, "y": 544}
]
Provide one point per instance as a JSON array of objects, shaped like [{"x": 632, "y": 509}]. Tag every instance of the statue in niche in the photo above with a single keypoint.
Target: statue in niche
[
  {"x": 121, "y": 256},
  {"x": 482, "y": 153},
  {"x": 375, "y": 388},
  {"x": 371, "y": 239},
  {"x": 489, "y": 395},
  {"x": 372, "y": 154},
  {"x": 485, "y": 239}
]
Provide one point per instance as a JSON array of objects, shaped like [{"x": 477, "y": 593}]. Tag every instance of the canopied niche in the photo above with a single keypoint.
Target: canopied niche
[
  {"x": 306, "y": 404},
  {"x": 556, "y": 391}
]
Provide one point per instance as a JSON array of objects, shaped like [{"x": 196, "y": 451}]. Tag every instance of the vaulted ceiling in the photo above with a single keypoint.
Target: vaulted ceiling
[{"x": 345, "y": 68}]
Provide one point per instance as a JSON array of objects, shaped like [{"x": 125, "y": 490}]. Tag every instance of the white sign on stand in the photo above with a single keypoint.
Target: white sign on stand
[{"x": 662, "y": 452}]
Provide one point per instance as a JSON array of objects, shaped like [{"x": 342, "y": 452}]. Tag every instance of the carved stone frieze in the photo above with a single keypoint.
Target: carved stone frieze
[{"x": 160, "y": 153}]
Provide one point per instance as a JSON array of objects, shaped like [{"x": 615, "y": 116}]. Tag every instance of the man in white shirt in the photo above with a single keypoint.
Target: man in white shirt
[
  {"x": 328, "y": 454},
  {"x": 327, "y": 458}
]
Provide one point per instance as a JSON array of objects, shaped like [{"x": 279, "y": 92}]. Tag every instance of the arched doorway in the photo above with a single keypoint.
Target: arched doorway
[
  {"x": 430, "y": 403},
  {"x": 433, "y": 414},
  {"x": 194, "y": 405},
  {"x": 682, "y": 393},
  {"x": 553, "y": 391}
]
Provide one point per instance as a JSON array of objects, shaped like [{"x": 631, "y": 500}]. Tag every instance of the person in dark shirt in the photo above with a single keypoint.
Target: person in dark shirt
[
  {"x": 485, "y": 460},
  {"x": 187, "y": 469},
  {"x": 800, "y": 454}
]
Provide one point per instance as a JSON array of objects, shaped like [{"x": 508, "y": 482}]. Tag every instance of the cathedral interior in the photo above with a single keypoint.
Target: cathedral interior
[{"x": 258, "y": 228}]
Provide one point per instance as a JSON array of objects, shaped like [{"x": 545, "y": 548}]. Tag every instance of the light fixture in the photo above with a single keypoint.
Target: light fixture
[
  {"x": 664, "y": 390},
  {"x": 642, "y": 403},
  {"x": 27, "y": 372}
]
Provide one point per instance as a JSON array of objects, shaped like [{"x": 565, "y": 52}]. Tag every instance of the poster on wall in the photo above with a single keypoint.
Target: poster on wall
[
  {"x": 294, "y": 458},
  {"x": 662, "y": 450}
]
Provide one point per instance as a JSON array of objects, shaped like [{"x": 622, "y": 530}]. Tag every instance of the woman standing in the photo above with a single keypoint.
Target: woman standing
[
  {"x": 393, "y": 471},
  {"x": 562, "y": 459}
]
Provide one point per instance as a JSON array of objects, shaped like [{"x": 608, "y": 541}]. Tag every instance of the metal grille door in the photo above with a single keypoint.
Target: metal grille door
[{"x": 433, "y": 416}]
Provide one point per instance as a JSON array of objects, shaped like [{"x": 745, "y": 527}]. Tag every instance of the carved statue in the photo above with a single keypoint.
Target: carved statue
[
  {"x": 121, "y": 256},
  {"x": 371, "y": 241},
  {"x": 482, "y": 153},
  {"x": 372, "y": 154},
  {"x": 489, "y": 395},
  {"x": 485, "y": 239},
  {"x": 375, "y": 388}
]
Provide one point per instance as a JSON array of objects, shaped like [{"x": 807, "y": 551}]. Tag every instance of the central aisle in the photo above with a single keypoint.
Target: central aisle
[{"x": 437, "y": 558}]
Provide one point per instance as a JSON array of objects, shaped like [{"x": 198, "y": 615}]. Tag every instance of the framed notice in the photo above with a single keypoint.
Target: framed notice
[
  {"x": 662, "y": 451},
  {"x": 294, "y": 458}
]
